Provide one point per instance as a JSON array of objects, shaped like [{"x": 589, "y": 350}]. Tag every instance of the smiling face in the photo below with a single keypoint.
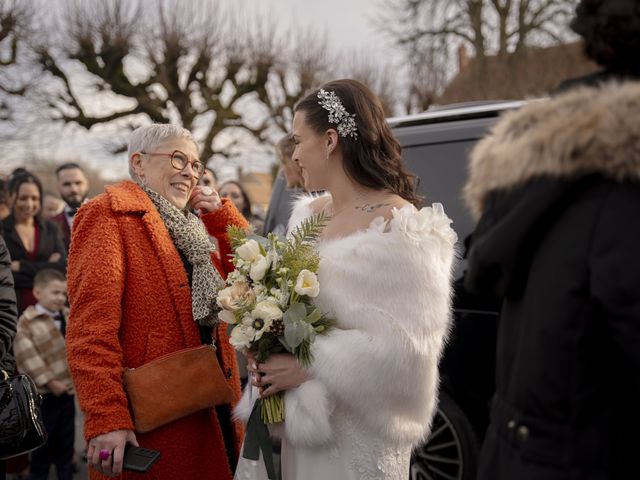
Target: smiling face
[
  {"x": 26, "y": 201},
  {"x": 310, "y": 154},
  {"x": 159, "y": 174}
]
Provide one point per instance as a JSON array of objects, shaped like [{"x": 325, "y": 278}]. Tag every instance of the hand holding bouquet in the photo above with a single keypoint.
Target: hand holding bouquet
[{"x": 268, "y": 302}]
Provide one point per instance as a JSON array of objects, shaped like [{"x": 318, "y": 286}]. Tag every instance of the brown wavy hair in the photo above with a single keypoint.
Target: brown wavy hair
[{"x": 374, "y": 158}]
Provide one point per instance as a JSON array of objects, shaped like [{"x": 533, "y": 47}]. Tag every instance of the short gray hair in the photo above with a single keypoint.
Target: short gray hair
[{"x": 149, "y": 137}]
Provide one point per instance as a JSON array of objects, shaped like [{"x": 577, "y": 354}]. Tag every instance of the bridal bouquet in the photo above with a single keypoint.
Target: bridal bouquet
[{"x": 268, "y": 303}]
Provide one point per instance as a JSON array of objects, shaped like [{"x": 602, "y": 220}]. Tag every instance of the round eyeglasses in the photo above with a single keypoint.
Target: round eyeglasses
[{"x": 180, "y": 160}]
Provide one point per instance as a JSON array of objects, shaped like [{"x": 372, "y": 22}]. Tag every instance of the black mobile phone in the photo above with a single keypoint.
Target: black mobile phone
[{"x": 138, "y": 459}]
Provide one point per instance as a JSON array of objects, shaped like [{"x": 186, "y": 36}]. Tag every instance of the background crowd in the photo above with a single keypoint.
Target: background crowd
[{"x": 554, "y": 190}]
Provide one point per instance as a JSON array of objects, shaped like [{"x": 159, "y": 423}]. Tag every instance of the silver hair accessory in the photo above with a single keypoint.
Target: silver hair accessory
[{"x": 338, "y": 114}]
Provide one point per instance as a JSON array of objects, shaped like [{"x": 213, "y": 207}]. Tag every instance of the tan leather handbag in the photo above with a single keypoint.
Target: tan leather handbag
[{"x": 174, "y": 386}]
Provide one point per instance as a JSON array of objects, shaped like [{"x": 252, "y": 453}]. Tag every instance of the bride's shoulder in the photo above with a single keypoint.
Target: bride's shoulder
[
  {"x": 319, "y": 204},
  {"x": 306, "y": 205}
]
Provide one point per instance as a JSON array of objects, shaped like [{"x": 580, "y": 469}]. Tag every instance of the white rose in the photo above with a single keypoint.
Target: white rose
[
  {"x": 241, "y": 337},
  {"x": 249, "y": 250},
  {"x": 259, "y": 269},
  {"x": 267, "y": 311},
  {"x": 307, "y": 284},
  {"x": 236, "y": 296}
]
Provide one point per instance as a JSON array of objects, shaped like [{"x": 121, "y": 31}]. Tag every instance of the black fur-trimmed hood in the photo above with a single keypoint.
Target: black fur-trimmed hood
[{"x": 584, "y": 131}]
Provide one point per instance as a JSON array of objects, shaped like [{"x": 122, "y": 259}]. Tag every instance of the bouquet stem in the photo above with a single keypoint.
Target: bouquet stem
[{"x": 272, "y": 408}]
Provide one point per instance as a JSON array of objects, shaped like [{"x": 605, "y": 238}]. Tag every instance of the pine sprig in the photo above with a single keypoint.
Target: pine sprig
[
  {"x": 237, "y": 236},
  {"x": 325, "y": 324},
  {"x": 304, "y": 257},
  {"x": 308, "y": 231}
]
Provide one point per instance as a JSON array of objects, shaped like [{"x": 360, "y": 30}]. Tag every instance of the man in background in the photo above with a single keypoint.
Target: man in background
[{"x": 73, "y": 187}]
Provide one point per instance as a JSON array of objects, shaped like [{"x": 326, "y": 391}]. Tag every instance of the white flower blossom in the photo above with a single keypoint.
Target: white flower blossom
[
  {"x": 259, "y": 269},
  {"x": 263, "y": 316},
  {"x": 249, "y": 251},
  {"x": 307, "y": 284},
  {"x": 236, "y": 296},
  {"x": 428, "y": 220},
  {"x": 241, "y": 337}
]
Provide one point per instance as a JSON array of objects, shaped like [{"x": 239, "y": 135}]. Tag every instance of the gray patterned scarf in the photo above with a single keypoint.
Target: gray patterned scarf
[{"x": 190, "y": 237}]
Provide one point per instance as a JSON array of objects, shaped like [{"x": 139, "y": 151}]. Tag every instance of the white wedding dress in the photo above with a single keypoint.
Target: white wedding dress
[
  {"x": 374, "y": 386},
  {"x": 352, "y": 456}
]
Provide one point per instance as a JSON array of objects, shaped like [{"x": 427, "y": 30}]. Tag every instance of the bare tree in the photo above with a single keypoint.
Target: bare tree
[
  {"x": 428, "y": 30},
  {"x": 192, "y": 63},
  {"x": 361, "y": 65}
]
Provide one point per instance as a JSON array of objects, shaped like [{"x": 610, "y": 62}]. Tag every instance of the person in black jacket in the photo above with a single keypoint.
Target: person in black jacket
[
  {"x": 34, "y": 243},
  {"x": 556, "y": 188},
  {"x": 8, "y": 318}
]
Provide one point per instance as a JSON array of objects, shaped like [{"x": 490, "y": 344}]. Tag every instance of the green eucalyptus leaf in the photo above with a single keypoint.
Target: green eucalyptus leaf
[
  {"x": 294, "y": 333},
  {"x": 295, "y": 313},
  {"x": 314, "y": 316}
]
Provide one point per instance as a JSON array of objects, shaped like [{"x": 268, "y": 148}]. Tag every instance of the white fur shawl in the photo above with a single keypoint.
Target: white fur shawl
[{"x": 389, "y": 289}]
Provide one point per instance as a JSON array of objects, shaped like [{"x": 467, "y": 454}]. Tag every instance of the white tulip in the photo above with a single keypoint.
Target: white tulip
[
  {"x": 249, "y": 250},
  {"x": 307, "y": 284},
  {"x": 259, "y": 269}
]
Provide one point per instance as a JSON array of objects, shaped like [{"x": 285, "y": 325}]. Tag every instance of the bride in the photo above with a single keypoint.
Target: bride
[{"x": 385, "y": 268}]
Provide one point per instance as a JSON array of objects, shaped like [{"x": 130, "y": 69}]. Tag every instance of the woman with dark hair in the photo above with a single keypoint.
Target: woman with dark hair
[
  {"x": 233, "y": 191},
  {"x": 556, "y": 191},
  {"x": 385, "y": 266},
  {"x": 34, "y": 243}
]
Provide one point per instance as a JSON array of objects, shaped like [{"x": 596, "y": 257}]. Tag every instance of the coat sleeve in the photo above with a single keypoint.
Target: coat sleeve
[
  {"x": 28, "y": 358},
  {"x": 8, "y": 311},
  {"x": 217, "y": 223},
  {"x": 614, "y": 267},
  {"x": 96, "y": 279}
]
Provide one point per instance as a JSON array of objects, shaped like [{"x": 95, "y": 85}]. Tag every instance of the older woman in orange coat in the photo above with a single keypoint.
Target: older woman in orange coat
[{"x": 142, "y": 283}]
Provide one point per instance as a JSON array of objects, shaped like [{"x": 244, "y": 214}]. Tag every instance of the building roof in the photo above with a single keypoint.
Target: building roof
[{"x": 533, "y": 72}]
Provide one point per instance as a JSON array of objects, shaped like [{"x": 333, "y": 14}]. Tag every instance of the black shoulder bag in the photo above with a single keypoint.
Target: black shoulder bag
[{"x": 21, "y": 426}]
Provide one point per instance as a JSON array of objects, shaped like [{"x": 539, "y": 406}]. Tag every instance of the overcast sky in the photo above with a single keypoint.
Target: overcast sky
[{"x": 347, "y": 23}]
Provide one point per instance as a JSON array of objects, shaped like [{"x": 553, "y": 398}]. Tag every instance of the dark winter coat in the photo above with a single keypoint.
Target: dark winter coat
[
  {"x": 49, "y": 242},
  {"x": 557, "y": 188},
  {"x": 8, "y": 313},
  {"x": 65, "y": 229}
]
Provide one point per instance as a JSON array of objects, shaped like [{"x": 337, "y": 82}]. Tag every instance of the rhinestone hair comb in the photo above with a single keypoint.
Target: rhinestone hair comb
[{"x": 346, "y": 124}]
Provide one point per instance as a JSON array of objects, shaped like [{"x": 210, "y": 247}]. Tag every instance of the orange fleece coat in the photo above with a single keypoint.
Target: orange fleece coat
[{"x": 130, "y": 303}]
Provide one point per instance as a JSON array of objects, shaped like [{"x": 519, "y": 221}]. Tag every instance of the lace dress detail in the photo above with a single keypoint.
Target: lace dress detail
[{"x": 368, "y": 458}]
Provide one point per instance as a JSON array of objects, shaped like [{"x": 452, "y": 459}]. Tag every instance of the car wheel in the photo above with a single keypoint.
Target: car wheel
[{"x": 451, "y": 452}]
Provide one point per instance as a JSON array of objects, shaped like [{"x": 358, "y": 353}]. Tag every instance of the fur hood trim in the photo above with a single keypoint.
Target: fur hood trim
[{"x": 584, "y": 131}]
